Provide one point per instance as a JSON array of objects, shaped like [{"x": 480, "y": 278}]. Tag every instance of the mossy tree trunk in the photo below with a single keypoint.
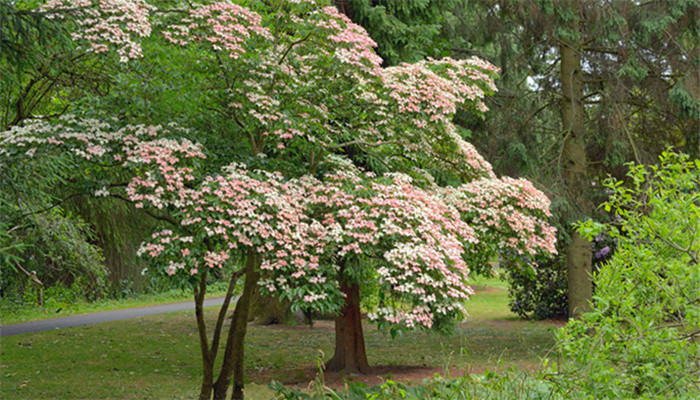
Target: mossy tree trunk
[{"x": 579, "y": 268}]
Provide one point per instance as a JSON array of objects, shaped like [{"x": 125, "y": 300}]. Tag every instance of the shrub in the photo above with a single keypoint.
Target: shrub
[
  {"x": 641, "y": 338},
  {"x": 539, "y": 292},
  {"x": 511, "y": 385}
]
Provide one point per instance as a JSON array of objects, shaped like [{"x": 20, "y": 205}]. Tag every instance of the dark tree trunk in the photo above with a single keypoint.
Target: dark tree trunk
[
  {"x": 209, "y": 352},
  {"x": 350, "y": 355},
  {"x": 207, "y": 359},
  {"x": 233, "y": 356},
  {"x": 579, "y": 269}
]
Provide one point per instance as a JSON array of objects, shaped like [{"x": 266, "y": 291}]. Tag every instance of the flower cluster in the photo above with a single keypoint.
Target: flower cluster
[
  {"x": 225, "y": 27},
  {"x": 419, "y": 240},
  {"x": 414, "y": 105},
  {"x": 129, "y": 147},
  {"x": 318, "y": 57},
  {"x": 511, "y": 213},
  {"x": 434, "y": 88},
  {"x": 353, "y": 45},
  {"x": 106, "y": 23}
]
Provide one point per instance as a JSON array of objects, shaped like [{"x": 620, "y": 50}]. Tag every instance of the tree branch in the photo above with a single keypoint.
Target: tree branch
[
  {"x": 358, "y": 142},
  {"x": 222, "y": 312},
  {"x": 289, "y": 48}
]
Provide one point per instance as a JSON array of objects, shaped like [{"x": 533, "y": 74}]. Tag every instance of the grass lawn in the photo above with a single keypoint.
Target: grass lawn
[
  {"x": 10, "y": 314},
  {"x": 157, "y": 357}
]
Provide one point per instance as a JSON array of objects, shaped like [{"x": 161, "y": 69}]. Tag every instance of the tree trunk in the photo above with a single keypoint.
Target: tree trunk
[
  {"x": 350, "y": 355},
  {"x": 266, "y": 309},
  {"x": 209, "y": 352},
  {"x": 233, "y": 356},
  {"x": 207, "y": 359},
  {"x": 579, "y": 269}
]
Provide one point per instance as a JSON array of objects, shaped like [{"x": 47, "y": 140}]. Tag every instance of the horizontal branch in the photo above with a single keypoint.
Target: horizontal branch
[
  {"x": 357, "y": 143},
  {"x": 150, "y": 213}
]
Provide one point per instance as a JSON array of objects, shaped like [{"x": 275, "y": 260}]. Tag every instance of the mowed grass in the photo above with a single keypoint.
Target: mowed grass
[
  {"x": 158, "y": 357},
  {"x": 10, "y": 314}
]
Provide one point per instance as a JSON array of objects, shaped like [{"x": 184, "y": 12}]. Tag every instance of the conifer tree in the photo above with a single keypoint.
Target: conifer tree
[{"x": 621, "y": 76}]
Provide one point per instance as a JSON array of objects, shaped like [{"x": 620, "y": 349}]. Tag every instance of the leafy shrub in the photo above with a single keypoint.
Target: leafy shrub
[
  {"x": 57, "y": 247},
  {"x": 641, "y": 338},
  {"x": 539, "y": 292},
  {"x": 510, "y": 385}
]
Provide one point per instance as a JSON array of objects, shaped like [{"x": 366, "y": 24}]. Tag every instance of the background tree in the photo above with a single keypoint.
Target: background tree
[
  {"x": 405, "y": 31},
  {"x": 45, "y": 72},
  {"x": 523, "y": 133}
]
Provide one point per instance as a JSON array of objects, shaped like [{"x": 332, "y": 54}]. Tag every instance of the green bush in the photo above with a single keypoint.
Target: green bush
[
  {"x": 539, "y": 292},
  {"x": 511, "y": 385},
  {"x": 641, "y": 338}
]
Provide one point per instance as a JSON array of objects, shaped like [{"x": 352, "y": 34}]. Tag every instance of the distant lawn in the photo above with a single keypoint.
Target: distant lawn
[
  {"x": 10, "y": 314},
  {"x": 157, "y": 357}
]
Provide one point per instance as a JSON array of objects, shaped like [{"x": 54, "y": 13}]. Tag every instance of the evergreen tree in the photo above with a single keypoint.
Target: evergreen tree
[
  {"x": 585, "y": 87},
  {"x": 405, "y": 30}
]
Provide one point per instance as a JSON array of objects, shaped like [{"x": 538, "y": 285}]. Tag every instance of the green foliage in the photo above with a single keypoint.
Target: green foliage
[
  {"x": 118, "y": 230},
  {"x": 539, "y": 292},
  {"x": 688, "y": 106},
  {"x": 62, "y": 252},
  {"x": 58, "y": 249},
  {"x": 42, "y": 70},
  {"x": 10, "y": 246},
  {"x": 43, "y": 73},
  {"x": 508, "y": 385},
  {"x": 23, "y": 34},
  {"x": 40, "y": 235},
  {"x": 405, "y": 30},
  {"x": 640, "y": 339}
]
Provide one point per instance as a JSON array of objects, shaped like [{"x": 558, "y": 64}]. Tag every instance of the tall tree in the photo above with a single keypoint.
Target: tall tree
[
  {"x": 586, "y": 87},
  {"x": 575, "y": 163},
  {"x": 405, "y": 30},
  {"x": 292, "y": 208}
]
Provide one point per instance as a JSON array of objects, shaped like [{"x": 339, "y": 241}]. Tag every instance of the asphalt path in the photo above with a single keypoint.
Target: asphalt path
[{"x": 104, "y": 316}]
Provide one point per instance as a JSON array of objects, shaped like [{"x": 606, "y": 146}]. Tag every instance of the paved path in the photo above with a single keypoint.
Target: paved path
[{"x": 104, "y": 316}]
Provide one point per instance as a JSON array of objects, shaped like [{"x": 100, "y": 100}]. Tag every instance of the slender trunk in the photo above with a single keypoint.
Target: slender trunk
[
  {"x": 209, "y": 352},
  {"x": 579, "y": 269},
  {"x": 233, "y": 356},
  {"x": 350, "y": 355},
  {"x": 207, "y": 360}
]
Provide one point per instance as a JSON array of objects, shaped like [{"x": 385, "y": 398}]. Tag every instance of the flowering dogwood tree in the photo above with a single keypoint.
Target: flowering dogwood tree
[
  {"x": 105, "y": 25},
  {"x": 302, "y": 85}
]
